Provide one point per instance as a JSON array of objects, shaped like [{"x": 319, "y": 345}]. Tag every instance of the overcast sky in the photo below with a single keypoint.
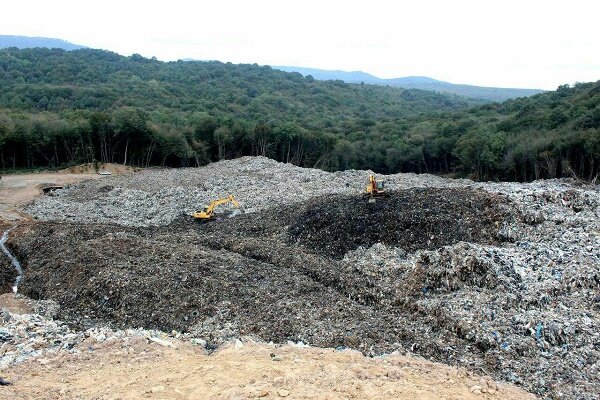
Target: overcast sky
[{"x": 506, "y": 43}]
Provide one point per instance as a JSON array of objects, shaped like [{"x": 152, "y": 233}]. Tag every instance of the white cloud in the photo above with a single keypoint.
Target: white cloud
[{"x": 506, "y": 43}]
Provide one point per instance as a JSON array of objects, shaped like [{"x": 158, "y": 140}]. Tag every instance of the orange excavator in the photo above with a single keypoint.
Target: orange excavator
[
  {"x": 375, "y": 189},
  {"x": 206, "y": 214}
]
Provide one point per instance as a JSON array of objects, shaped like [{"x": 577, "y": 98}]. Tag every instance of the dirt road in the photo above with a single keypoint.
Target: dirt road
[{"x": 18, "y": 189}]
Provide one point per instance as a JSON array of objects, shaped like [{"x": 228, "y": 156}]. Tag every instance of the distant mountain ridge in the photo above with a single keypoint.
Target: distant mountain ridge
[
  {"x": 26, "y": 42},
  {"x": 409, "y": 82},
  {"x": 416, "y": 82}
]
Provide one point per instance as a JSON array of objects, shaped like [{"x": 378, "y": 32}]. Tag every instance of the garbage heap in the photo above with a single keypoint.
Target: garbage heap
[{"x": 501, "y": 278}]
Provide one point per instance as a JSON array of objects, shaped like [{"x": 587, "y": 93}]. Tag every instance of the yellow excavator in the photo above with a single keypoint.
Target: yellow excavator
[
  {"x": 375, "y": 189},
  {"x": 206, "y": 214}
]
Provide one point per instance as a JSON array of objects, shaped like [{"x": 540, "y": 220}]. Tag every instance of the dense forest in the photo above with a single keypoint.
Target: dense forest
[{"x": 65, "y": 107}]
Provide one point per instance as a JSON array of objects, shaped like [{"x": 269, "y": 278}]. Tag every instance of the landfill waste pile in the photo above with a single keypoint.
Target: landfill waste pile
[
  {"x": 412, "y": 219},
  {"x": 8, "y": 274},
  {"x": 499, "y": 278},
  {"x": 101, "y": 363},
  {"x": 156, "y": 197}
]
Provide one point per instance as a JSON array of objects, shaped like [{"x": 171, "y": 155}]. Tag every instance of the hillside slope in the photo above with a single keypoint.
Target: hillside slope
[
  {"x": 56, "y": 80},
  {"x": 84, "y": 106},
  {"x": 181, "y": 112}
]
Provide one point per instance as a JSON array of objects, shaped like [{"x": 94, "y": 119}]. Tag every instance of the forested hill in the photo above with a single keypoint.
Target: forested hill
[
  {"x": 55, "y": 80},
  {"x": 88, "y": 104},
  {"x": 548, "y": 135},
  {"x": 60, "y": 107}
]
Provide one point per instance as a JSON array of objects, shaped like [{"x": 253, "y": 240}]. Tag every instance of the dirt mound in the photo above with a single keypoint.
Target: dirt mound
[
  {"x": 128, "y": 367},
  {"x": 412, "y": 219},
  {"x": 91, "y": 168}
]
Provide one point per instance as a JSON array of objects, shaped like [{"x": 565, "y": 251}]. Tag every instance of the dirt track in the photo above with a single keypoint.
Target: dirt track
[{"x": 16, "y": 190}]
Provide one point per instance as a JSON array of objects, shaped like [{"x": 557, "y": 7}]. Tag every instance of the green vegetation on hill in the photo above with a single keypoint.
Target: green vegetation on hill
[
  {"x": 553, "y": 134},
  {"x": 66, "y": 107},
  {"x": 59, "y": 107}
]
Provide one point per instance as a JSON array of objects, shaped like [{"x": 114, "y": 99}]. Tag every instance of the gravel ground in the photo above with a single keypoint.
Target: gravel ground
[{"x": 517, "y": 297}]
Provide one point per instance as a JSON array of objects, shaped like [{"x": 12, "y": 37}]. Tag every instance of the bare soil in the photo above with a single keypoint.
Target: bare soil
[
  {"x": 140, "y": 370},
  {"x": 16, "y": 190},
  {"x": 11, "y": 303}
]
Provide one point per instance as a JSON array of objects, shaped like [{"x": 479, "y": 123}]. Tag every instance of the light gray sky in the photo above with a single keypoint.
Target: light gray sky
[{"x": 505, "y": 43}]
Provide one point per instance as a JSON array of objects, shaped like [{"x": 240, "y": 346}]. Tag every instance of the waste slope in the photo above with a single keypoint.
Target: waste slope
[
  {"x": 140, "y": 278},
  {"x": 186, "y": 278},
  {"x": 8, "y": 273},
  {"x": 526, "y": 310},
  {"x": 412, "y": 219}
]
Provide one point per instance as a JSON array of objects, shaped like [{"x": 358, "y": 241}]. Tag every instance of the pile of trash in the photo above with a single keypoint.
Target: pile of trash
[
  {"x": 411, "y": 219},
  {"x": 502, "y": 278},
  {"x": 452, "y": 268},
  {"x": 159, "y": 196},
  {"x": 130, "y": 277}
]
